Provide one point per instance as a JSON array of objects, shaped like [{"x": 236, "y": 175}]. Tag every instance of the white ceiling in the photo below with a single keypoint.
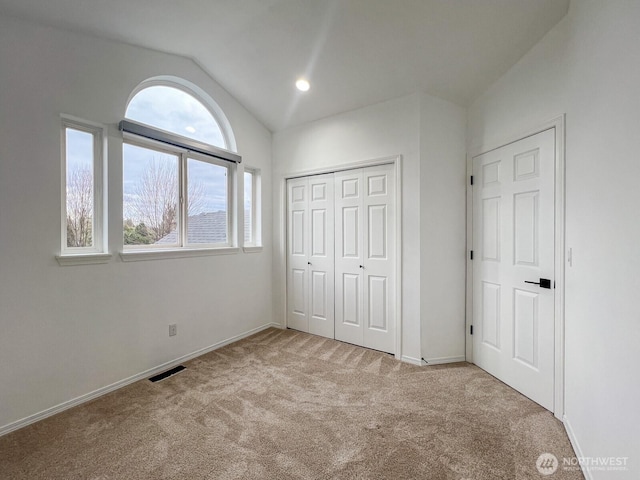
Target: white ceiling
[{"x": 354, "y": 52}]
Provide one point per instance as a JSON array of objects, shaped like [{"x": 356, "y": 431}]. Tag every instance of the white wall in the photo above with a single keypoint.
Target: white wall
[
  {"x": 588, "y": 67},
  {"x": 442, "y": 227},
  {"x": 66, "y": 331},
  {"x": 383, "y": 130}
]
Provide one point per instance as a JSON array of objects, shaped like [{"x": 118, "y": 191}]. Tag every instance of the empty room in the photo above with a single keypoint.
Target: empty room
[{"x": 319, "y": 239}]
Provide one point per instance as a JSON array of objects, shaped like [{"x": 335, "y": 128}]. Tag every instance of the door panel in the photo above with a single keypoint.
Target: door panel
[
  {"x": 513, "y": 230},
  {"x": 525, "y": 230},
  {"x": 319, "y": 233},
  {"x": 350, "y": 232},
  {"x": 298, "y": 290},
  {"x": 525, "y": 324},
  {"x": 321, "y": 257},
  {"x": 491, "y": 314},
  {"x": 491, "y": 229},
  {"x": 319, "y": 295},
  {"x": 349, "y": 258},
  {"x": 378, "y": 312},
  {"x": 379, "y": 265},
  {"x": 351, "y": 300},
  {"x": 297, "y": 232},
  {"x": 377, "y": 234},
  {"x": 297, "y": 246}
]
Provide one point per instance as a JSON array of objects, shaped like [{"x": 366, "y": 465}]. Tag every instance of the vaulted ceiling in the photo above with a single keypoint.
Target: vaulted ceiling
[{"x": 354, "y": 52}]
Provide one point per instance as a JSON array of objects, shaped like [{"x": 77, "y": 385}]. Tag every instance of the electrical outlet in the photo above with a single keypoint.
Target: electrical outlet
[{"x": 173, "y": 330}]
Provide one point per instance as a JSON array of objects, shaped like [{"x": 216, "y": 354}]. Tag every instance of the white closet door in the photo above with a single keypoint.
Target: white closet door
[
  {"x": 365, "y": 251},
  {"x": 321, "y": 257},
  {"x": 349, "y": 258},
  {"x": 298, "y": 253},
  {"x": 379, "y": 251}
]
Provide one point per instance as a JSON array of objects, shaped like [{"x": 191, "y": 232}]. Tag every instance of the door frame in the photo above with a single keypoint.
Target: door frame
[
  {"x": 395, "y": 160},
  {"x": 557, "y": 123}
]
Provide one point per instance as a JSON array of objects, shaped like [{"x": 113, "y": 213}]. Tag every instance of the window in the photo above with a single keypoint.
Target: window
[
  {"x": 252, "y": 234},
  {"x": 82, "y": 187},
  {"x": 177, "y": 174},
  {"x": 156, "y": 203},
  {"x": 174, "y": 110}
]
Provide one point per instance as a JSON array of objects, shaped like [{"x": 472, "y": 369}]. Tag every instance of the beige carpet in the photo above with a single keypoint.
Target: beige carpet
[{"x": 287, "y": 405}]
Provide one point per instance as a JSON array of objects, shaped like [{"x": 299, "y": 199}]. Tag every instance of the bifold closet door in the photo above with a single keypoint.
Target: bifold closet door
[
  {"x": 310, "y": 255},
  {"x": 365, "y": 250}
]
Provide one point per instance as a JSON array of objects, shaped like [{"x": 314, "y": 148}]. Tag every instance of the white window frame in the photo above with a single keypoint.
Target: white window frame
[
  {"x": 182, "y": 248},
  {"x": 97, "y": 253},
  {"x": 233, "y": 186},
  {"x": 255, "y": 245}
]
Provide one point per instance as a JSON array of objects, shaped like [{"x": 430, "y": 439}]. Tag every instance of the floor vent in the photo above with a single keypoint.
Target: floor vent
[{"x": 168, "y": 373}]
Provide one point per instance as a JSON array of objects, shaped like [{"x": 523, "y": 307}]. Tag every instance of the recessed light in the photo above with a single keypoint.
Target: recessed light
[
  {"x": 302, "y": 85},
  {"x": 190, "y": 129}
]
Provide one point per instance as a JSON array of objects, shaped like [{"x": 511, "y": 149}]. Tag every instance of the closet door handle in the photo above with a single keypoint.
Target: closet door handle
[
  {"x": 544, "y": 283},
  {"x": 362, "y": 267},
  {"x": 308, "y": 263}
]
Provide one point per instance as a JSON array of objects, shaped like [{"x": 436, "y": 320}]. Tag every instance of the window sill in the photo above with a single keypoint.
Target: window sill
[
  {"x": 83, "y": 259},
  {"x": 252, "y": 249},
  {"x": 141, "y": 255}
]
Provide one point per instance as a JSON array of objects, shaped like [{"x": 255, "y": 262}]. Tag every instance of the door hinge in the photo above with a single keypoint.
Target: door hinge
[
  {"x": 471, "y": 179},
  {"x": 471, "y": 330},
  {"x": 471, "y": 255}
]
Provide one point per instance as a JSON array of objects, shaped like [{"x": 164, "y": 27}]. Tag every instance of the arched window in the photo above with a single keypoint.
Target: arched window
[
  {"x": 177, "y": 170},
  {"x": 173, "y": 110}
]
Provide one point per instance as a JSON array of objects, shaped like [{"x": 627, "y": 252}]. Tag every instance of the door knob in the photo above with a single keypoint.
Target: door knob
[
  {"x": 544, "y": 283},
  {"x": 362, "y": 266},
  {"x": 308, "y": 263}
]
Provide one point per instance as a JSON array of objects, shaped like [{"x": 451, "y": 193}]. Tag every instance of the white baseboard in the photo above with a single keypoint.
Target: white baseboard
[
  {"x": 115, "y": 386},
  {"x": 576, "y": 446},
  {"x": 440, "y": 360},
  {"x": 411, "y": 360}
]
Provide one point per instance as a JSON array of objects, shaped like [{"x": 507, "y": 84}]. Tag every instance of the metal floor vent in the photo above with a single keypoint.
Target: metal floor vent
[{"x": 167, "y": 374}]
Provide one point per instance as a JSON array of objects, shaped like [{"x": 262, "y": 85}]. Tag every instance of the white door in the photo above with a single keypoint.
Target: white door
[
  {"x": 321, "y": 261},
  {"x": 513, "y": 246},
  {"x": 365, "y": 263},
  {"x": 310, "y": 286},
  {"x": 297, "y": 253},
  {"x": 349, "y": 261}
]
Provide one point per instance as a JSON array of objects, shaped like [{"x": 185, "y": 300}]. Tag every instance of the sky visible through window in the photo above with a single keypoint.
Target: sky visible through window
[
  {"x": 175, "y": 111},
  {"x": 79, "y": 150},
  {"x": 248, "y": 199}
]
